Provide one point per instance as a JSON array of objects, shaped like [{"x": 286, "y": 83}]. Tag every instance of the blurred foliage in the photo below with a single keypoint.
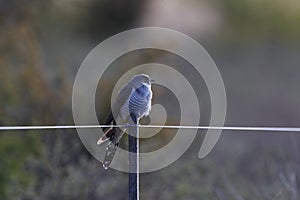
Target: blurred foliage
[
  {"x": 106, "y": 18},
  {"x": 25, "y": 94},
  {"x": 261, "y": 18},
  {"x": 14, "y": 152}
]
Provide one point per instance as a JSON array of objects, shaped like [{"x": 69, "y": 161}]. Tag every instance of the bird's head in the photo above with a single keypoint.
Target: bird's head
[{"x": 141, "y": 79}]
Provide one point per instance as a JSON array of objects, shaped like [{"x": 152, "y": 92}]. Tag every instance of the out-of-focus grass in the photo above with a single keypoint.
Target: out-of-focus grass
[
  {"x": 27, "y": 97},
  {"x": 264, "y": 18}
]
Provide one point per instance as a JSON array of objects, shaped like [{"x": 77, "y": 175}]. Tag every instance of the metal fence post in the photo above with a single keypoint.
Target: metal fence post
[{"x": 133, "y": 145}]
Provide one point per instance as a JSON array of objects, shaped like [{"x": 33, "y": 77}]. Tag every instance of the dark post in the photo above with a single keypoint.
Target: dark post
[{"x": 133, "y": 142}]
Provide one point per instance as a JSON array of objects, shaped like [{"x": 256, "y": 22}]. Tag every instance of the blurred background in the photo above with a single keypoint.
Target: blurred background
[{"x": 255, "y": 44}]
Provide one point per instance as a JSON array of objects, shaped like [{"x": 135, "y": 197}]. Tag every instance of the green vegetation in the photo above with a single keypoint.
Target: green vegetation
[{"x": 264, "y": 18}]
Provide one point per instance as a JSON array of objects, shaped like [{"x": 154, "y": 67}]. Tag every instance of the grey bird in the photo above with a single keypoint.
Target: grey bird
[{"x": 133, "y": 102}]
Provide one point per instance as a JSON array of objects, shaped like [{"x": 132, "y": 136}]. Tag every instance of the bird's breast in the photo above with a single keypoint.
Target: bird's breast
[{"x": 140, "y": 101}]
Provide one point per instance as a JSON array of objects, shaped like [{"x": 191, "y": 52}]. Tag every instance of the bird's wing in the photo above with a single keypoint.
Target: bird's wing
[
  {"x": 122, "y": 98},
  {"x": 110, "y": 132},
  {"x": 108, "y": 121}
]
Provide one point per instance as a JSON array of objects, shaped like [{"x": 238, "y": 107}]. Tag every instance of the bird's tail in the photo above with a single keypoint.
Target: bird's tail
[
  {"x": 114, "y": 135},
  {"x": 111, "y": 149},
  {"x": 109, "y": 132},
  {"x": 112, "y": 146},
  {"x": 107, "y": 135}
]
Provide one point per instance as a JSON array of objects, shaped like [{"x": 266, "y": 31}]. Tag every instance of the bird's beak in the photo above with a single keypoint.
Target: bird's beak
[{"x": 152, "y": 81}]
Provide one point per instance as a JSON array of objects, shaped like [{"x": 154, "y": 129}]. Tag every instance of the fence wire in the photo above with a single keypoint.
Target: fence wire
[{"x": 228, "y": 128}]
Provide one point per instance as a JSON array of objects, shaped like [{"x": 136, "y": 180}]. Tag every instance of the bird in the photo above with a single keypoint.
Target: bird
[{"x": 132, "y": 103}]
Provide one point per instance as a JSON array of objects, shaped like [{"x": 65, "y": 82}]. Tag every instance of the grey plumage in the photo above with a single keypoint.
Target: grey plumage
[{"x": 134, "y": 100}]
